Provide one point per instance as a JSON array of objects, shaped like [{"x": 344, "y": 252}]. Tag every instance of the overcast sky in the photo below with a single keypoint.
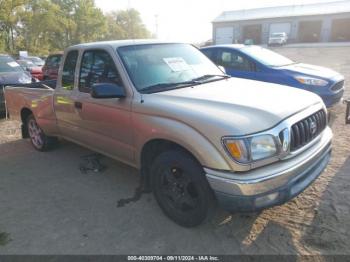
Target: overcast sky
[{"x": 187, "y": 20}]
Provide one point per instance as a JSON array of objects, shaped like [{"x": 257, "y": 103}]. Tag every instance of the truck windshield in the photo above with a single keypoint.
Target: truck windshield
[
  {"x": 7, "y": 64},
  {"x": 266, "y": 56},
  {"x": 167, "y": 66}
]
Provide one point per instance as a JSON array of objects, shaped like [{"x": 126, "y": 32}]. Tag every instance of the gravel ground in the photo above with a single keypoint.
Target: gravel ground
[{"x": 316, "y": 222}]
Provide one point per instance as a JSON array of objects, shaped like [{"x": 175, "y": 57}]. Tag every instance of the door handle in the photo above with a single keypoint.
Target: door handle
[{"x": 78, "y": 105}]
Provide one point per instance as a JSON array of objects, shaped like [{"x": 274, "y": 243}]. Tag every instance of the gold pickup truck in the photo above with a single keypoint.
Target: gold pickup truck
[{"x": 197, "y": 136}]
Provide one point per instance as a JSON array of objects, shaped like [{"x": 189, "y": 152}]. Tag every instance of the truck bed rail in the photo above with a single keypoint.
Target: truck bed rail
[{"x": 42, "y": 84}]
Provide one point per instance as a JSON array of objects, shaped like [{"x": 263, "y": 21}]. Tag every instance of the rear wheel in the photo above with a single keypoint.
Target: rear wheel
[
  {"x": 39, "y": 140},
  {"x": 181, "y": 189}
]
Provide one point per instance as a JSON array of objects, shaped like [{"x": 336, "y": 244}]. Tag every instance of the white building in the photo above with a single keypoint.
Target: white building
[{"x": 322, "y": 22}]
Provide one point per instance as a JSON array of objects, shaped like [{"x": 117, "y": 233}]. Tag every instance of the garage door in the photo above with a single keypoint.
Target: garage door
[
  {"x": 224, "y": 35},
  {"x": 340, "y": 29},
  {"x": 310, "y": 31},
  {"x": 280, "y": 28}
]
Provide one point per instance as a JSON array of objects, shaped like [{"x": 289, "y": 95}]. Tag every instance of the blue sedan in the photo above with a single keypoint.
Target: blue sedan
[{"x": 258, "y": 63}]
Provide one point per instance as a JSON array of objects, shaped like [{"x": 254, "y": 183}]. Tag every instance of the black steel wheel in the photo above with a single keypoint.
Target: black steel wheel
[{"x": 181, "y": 189}]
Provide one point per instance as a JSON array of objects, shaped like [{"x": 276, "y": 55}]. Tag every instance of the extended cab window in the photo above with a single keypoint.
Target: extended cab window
[
  {"x": 235, "y": 61},
  {"x": 68, "y": 72},
  {"x": 97, "y": 66}
]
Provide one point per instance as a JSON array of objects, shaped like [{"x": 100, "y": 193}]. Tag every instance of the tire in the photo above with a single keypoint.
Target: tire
[
  {"x": 39, "y": 140},
  {"x": 181, "y": 188}
]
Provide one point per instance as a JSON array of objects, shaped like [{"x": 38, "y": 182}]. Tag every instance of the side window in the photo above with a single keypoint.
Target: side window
[
  {"x": 97, "y": 66},
  {"x": 209, "y": 53},
  {"x": 235, "y": 61},
  {"x": 68, "y": 72}
]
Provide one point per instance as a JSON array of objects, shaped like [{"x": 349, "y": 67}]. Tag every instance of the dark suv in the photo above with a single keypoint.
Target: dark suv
[{"x": 52, "y": 63}]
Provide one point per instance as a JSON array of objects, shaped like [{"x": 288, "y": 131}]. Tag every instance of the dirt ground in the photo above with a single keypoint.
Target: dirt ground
[{"x": 49, "y": 207}]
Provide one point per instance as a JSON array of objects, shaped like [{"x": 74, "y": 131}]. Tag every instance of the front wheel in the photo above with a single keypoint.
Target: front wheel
[
  {"x": 39, "y": 140},
  {"x": 181, "y": 189}
]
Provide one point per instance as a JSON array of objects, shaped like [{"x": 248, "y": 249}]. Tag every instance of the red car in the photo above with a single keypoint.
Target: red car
[
  {"x": 35, "y": 71},
  {"x": 50, "y": 68}
]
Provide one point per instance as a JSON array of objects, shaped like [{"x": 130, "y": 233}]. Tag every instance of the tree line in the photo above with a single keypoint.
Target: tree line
[{"x": 45, "y": 26}]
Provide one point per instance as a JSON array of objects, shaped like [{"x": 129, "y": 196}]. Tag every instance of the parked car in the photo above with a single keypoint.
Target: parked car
[
  {"x": 36, "y": 60},
  {"x": 34, "y": 70},
  {"x": 258, "y": 63},
  {"x": 196, "y": 135},
  {"x": 278, "y": 39},
  {"x": 52, "y": 63},
  {"x": 11, "y": 73}
]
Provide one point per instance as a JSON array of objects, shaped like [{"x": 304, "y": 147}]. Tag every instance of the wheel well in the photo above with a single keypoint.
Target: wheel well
[
  {"x": 25, "y": 112},
  {"x": 151, "y": 150}
]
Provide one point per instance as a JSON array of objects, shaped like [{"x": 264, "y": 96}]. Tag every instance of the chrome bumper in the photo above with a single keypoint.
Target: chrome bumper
[{"x": 273, "y": 184}]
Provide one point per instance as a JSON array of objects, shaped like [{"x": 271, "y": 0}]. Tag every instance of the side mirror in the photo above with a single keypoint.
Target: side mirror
[
  {"x": 107, "y": 90},
  {"x": 222, "y": 69}
]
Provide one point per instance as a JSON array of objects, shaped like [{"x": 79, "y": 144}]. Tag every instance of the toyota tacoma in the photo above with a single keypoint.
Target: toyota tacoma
[{"x": 198, "y": 136}]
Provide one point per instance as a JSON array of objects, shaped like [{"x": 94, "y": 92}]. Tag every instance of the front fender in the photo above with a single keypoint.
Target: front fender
[{"x": 155, "y": 127}]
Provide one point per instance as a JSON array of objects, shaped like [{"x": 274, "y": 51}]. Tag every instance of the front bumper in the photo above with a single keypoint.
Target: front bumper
[
  {"x": 332, "y": 99},
  {"x": 275, "y": 42},
  {"x": 274, "y": 184}
]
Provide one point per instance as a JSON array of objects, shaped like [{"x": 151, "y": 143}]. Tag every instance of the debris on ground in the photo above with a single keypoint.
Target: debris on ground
[{"x": 92, "y": 163}]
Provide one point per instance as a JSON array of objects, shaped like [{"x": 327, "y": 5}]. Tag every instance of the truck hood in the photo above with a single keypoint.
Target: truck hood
[
  {"x": 312, "y": 70},
  {"x": 8, "y": 78},
  {"x": 237, "y": 106}
]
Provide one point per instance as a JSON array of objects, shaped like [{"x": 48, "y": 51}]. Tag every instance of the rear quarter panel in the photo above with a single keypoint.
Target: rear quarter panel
[{"x": 37, "y": 100}]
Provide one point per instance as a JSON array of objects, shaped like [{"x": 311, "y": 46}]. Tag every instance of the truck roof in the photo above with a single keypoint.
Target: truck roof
[
  {"x": 119, "y": 43},
  {"x": 235, "y": 46}
]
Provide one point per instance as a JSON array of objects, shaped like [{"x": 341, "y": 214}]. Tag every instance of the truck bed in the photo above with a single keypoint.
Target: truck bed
[
  {"x": 47, "y": 84},
  {"x": 34, "y": 98}
]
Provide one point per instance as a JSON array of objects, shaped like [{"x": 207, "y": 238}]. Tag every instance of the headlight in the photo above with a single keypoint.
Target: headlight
[
  {"x": 262, "y": 147},
  {"x": 251, "y": 149},
  {"x": 311, "y": 81}
]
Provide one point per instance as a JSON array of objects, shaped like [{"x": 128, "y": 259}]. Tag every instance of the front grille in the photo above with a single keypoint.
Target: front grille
[
  {"x": 338, "y": 86},
  {"x": 307, "y": 129}
]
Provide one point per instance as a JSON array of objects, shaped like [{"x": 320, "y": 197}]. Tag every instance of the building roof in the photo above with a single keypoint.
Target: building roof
[{"x": 284, "y": 11}]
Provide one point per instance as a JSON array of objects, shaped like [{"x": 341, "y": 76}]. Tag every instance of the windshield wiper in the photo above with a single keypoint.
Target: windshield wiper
[
  {"x": 204, "y": 77},
  {"x": 160, "y": 87}
]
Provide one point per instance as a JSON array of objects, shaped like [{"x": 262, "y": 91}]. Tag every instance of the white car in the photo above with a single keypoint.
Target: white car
[{"x": 278, "y": 38}]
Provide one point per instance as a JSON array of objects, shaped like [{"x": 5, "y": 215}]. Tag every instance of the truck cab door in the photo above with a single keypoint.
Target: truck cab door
[
  {"x": 65, "y": 97},
  {"x": 105, "y": 123}
]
